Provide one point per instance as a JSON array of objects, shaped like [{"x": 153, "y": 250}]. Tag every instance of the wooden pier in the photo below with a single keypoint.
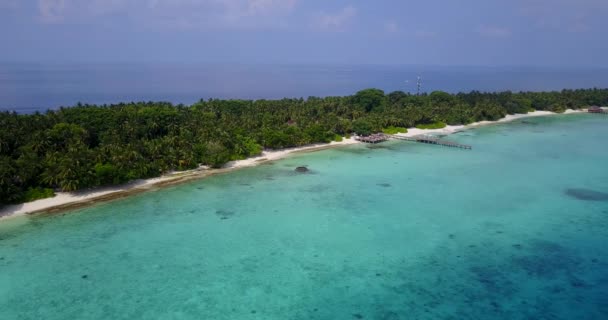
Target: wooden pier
[
  {"x": 381, "y": 137},
  {"x": 433, "y": 140}
]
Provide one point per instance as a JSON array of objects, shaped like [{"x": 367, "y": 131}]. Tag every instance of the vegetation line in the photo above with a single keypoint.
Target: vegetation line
[{"x": 89, "y": 146}]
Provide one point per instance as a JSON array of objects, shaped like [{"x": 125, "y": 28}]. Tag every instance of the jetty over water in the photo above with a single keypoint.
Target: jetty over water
[
  {"x": 433, "y": 140},
  {"x": 381, "y": 137}
]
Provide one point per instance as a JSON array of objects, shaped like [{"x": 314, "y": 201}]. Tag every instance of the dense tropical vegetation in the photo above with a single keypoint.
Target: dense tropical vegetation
[
  {"x": 434, "y": 125},
  {"x": 394, "y": 130},
  {"x": 86, "y": 146}
]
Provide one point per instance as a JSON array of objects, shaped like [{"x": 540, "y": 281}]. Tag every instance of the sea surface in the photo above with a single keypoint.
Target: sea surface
[
  {"x": 517, "y": 228},
  {"x": 29, "y": 87}
]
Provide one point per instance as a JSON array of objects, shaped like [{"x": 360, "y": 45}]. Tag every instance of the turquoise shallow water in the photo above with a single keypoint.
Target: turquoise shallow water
[{"x": 515, "y": 229}]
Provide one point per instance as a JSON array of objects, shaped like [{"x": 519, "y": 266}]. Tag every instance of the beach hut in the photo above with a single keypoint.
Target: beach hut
[
  {"x": 373, "y": 138},
  {"x": 595, "y": 109}
]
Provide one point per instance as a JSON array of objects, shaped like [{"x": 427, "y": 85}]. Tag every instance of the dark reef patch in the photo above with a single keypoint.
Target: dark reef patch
[
  {"x": 587, "y": 194},
  {"x": 302, "y": 169},
  {"x": 384, "y": 185},
  {"x": 493, "y": 280},
  {"x": 521, "y": 279},
  {"x": 539, "y": 266},
  {"x": 318, "y": 188},
  {"x": 529, "y": 122},
  {"x": 354, "y": 150},
  {"x": 380, "y": 146},
  {"x": 578, "y": 283},
  {"x": 224, "y": 214},
  {"x": 547, "y": 259}
]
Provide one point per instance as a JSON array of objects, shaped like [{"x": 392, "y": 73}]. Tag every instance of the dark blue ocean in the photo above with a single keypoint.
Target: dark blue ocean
[{"x": 27, "y": 87}]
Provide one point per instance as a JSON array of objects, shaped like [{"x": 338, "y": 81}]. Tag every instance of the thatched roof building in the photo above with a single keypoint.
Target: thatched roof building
[{"x": 595, "y": 109}]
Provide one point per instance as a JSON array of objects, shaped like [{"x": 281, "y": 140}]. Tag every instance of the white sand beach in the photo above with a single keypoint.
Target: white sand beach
[
  {"x": 73, "y": 199},
  {"x": 66, "y": 200},
  {"x": 279, "y": 154},
  {"x": 452, "y": 129}
]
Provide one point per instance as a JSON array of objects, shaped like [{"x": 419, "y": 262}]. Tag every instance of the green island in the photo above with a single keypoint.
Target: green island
[{"x": 88, "y": 146}]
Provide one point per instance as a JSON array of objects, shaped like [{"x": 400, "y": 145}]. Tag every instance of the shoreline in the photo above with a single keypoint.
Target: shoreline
[
  {"x": 82, "y": 198},
  {"x": 509, "y": 118},
  {"x": 73, "y": 200}
]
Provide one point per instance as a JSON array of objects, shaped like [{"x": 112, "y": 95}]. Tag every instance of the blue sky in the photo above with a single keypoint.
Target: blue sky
[{"x": 431, "y": 32}]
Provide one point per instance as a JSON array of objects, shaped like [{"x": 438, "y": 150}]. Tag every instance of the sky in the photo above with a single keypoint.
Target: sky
[{"x": 562, "y": 33}]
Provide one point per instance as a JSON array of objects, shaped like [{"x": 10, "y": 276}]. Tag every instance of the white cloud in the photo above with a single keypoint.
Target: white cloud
[
  {"x": 251, "y": 13},
  {"x": 101, "y": 7},
  {"x": 335, "y": 22},
  {"x": 51, "y": 11},
  {"x": 255, "y": 7},
  {"x": 172, "y": 13},
  {"x": 391, "y": 27},
  {"x": 228, "y": 7},
  {"x": 56, "y": 11},
  {"x": 566, "y": 15},
  {"x": 494, "y": 32}
]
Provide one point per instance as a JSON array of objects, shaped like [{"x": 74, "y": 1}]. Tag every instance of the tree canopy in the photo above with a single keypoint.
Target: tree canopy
[{"x": 87, "y": 145}]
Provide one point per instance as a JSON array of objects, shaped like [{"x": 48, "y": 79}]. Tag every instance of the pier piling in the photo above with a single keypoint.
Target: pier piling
[
  {"x": 433, "y": 140},
  {"x": 381, "y": 137}
]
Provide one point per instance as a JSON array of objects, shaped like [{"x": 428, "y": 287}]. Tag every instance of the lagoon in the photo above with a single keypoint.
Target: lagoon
[{"x": 514, "y": 229}]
